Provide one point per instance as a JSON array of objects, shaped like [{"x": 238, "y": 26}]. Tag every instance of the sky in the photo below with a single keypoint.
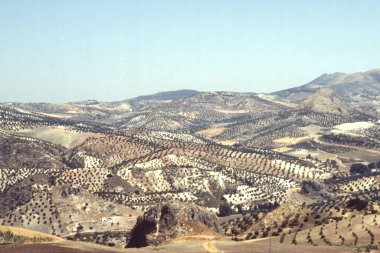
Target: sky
[{"x": 111, "y": 50}]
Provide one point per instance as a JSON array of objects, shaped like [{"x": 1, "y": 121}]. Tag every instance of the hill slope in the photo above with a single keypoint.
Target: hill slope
[{"x": 356, "y": 87}]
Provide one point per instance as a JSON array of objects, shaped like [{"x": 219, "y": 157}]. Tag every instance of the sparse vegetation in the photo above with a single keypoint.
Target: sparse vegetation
[{"x": 297, "y": 175}]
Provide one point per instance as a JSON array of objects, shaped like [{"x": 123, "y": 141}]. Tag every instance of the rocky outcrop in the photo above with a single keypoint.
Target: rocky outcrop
[
  {"x": 315, "y": 189},
  {"x": 168, "y": 221}
]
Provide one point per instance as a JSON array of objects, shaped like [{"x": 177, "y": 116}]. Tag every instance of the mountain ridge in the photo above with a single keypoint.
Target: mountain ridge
[{"x": 166, "y": 95}]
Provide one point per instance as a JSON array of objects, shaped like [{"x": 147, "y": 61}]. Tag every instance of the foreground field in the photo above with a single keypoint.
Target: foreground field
[
  {"x": 29, "y": 233},
  {"x": 201, "y": 246},
  {"x": 58, "y": 247},
  {"x": 194, "y": 243}
]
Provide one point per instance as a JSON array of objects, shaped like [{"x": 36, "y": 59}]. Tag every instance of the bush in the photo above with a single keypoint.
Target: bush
[
  {"x": 224, "y": 209},
  {"x": 359, "y": 168}
]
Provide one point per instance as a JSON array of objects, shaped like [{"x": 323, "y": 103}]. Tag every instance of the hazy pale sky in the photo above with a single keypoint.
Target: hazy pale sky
[{"x": 70, "y": 50}]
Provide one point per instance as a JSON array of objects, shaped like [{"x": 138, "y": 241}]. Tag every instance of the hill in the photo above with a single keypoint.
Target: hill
[
  {"x": 207, "y": 171},
  {"x": 361, "y": 87},
  {"x": 167, "y": 95}
]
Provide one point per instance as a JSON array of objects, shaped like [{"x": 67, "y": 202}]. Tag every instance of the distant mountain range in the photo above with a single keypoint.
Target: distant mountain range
[
  {"x": 334, "y": 93},
  {"x": 349, "y": 86},
  {"x": 338, "y": 93}
]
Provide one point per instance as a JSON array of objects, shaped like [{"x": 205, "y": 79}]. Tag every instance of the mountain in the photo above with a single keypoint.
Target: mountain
[
  {"x": 355, "y": 88},
  {"x": 167, "y": 95}
]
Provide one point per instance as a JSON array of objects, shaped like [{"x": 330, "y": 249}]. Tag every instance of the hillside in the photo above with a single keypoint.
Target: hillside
[
  {"x": 361, "y": 88},
  {"x": 208, "y": 171},
  {"x": 324, "y": 101}
]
